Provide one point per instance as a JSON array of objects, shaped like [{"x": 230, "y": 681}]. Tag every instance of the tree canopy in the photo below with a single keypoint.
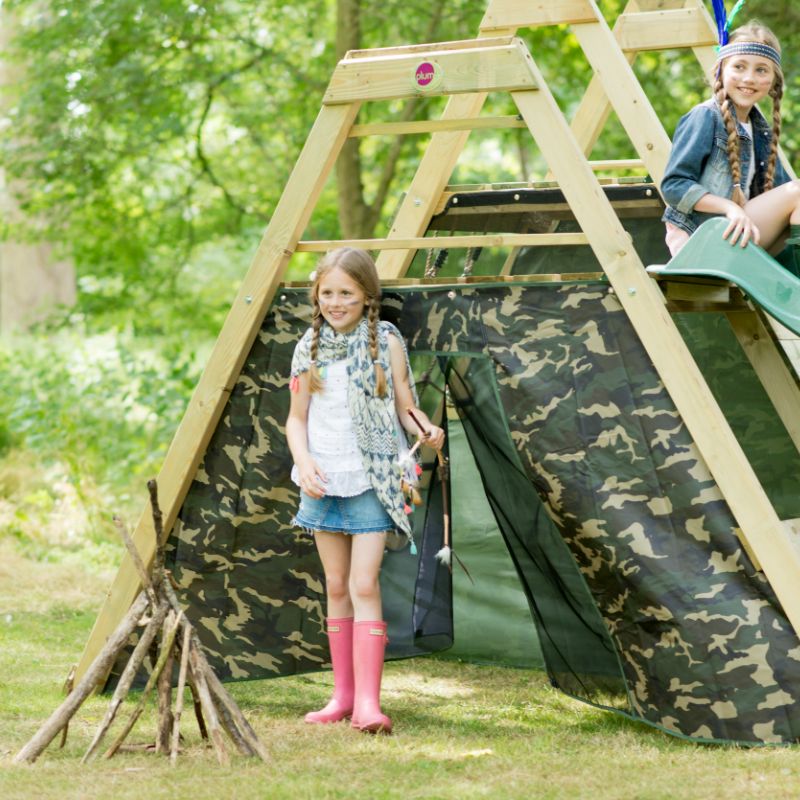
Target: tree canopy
[{"x": 151, "y": 139}]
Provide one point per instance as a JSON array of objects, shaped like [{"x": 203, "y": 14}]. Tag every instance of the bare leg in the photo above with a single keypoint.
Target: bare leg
[
  {"x": 774, "y": 210},
  {"x": 675, "y": 238},
  {"x": 365, "y": 566},
  {"x": 334, "y": 552}
]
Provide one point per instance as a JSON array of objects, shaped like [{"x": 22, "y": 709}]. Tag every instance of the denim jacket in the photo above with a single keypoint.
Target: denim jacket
[{"x": 698, "y": 163}]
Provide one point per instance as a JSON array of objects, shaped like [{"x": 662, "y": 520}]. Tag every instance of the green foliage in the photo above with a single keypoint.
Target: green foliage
[
  {"x": 104, "y": 406},
  {"x": 152, "y": 138},
  {"x": 92, "y": 416}
]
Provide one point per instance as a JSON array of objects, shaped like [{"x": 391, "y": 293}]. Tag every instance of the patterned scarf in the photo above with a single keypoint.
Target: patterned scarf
[{"x": 373, "y": 416}]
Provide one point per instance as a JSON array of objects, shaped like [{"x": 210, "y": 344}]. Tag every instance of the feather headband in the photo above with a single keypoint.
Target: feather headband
[
  {"x": 749, "y": 49},
  {"x": 725, "y": 50},
  {"x": 725, "y": 20}
]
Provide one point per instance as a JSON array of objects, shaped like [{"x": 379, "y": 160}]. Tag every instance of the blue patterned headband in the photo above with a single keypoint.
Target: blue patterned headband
[{"x": 749, "y": 49}]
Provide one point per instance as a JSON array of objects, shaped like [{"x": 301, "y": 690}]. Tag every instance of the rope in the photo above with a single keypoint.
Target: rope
[{"x": 473, "y": 254}]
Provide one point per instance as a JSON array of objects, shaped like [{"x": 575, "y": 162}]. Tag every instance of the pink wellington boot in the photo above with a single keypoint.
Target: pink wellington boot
[
  {"x": 369, "y": 643},
  {"x": 340, "y": 706}
]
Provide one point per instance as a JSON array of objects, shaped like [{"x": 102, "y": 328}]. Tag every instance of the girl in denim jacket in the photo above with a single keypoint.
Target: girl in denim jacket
[{"x": 724, "y": 158}]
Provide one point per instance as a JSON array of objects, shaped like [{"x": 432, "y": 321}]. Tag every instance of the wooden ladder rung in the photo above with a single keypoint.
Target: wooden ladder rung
[{"x": 425, "y": 242}]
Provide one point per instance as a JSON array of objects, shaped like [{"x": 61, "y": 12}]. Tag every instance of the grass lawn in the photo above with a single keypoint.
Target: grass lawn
[{"x": 462, "y": 731}]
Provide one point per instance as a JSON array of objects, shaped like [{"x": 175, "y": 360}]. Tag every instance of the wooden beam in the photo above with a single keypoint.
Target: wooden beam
[
  {"x": 644, "y": 305},
  {"x": 503, "y": 14},
  {"x": 778, "y": 381},
  {"x": 426, "y": 242},
  {"x": 240, "y": 329},
  {"x": 663, "y": 30},
  {"x": 594, "y": 108},
  {"x": 433, "y": 172},
  {"x": 618, "y": 163},
  {"x": 522, "y": 279},
  {"x": 625, "y": 94},
  {"x": 380, "y": 53},
  {"x": 435, "y": 126},
  {"x": 432, "y": 73}
]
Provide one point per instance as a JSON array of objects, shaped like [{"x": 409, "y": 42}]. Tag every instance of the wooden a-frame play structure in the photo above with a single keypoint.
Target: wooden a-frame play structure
[{"x": 466, "y": 71}]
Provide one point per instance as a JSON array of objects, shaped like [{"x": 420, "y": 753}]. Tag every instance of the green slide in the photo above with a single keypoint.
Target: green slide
[{"x": 751, "y": 268}]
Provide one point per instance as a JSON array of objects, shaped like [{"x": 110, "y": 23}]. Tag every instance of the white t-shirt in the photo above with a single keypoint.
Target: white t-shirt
[{"x": 332, "y": 439}]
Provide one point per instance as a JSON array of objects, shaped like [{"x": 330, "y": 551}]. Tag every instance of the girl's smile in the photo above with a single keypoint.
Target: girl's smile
[
  {"x": 341, "y": 300},
  {"x": 746, "y": 80}
]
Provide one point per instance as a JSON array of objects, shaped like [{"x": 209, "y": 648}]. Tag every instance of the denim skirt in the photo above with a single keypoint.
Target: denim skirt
[{"x": 360, "y": 514}]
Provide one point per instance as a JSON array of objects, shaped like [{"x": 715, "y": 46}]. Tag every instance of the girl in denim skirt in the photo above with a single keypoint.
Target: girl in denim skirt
[
  {"x": 724, "y": 158},
  {"x": 352, "y": 395}
]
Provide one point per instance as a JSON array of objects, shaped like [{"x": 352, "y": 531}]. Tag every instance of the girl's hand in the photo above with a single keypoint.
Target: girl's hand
[
  {"x": 312, "y": 478},
  {"x": 740, "y": 227},
  {"x": 434, "y": 437}
]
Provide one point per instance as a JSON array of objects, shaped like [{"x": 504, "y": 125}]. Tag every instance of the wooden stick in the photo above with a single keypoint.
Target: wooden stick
[
  {"x": 158, "y": 525},
  {"x": 69, "y": 685},
  {"x": 127, "y": 677},
  {"x": 144, "y": 575},
  {"x": 209, "y": 710},
  {"x": 170, "y": 629},
  {"x": 425, "y": 434},
  {"x": 176, "y": 717},
  {"x": 228, "y": 724},
  {"x": 198, "y": 708},
  {"x": 200, "y": 664},
  {"x": 97, "y": 670},
  {"x": 221, "y": 693},
  {"x": 165, "y": 704}
]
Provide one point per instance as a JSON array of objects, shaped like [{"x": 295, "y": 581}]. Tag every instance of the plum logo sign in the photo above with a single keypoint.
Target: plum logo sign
[{"x": 427, "y": 76}]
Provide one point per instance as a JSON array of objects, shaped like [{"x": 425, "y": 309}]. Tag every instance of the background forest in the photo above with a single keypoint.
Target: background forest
[{"x": 149, "y": 141}]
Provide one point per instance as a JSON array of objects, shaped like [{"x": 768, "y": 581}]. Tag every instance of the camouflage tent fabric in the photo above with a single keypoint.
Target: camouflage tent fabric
[{"x": 644, "y": 598}]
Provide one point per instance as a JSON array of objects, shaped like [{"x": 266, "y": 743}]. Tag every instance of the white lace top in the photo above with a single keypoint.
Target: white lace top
[{"x": 332, "y": 439}]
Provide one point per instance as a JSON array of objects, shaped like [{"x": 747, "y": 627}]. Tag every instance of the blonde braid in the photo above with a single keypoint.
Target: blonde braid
[
  {"x": 733, "y": 141},
  {"x": 776, "y": 93},
  {"x": 315, "y": 383},
  {"x": 372, "y": 320}
]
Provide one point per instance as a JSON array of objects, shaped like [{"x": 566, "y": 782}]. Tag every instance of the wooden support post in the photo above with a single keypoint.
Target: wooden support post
[
  {"x": 760, "y": 347},
  {"x": 431, "y": 177},
  {"x": 595, "y": 107},
  {"x": 240, "y": 329},
  {"x": 626, "y": 95}
]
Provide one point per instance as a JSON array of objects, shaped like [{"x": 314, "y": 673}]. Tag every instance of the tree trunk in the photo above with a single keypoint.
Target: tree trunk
[
  {"x": 353, "y": 209},
  {"x": 358, "y": 218},
  {"x": 32, "y": 281}
]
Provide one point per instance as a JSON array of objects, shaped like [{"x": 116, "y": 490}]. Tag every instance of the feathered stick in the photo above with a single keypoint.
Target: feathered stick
[
  {"x": 721, "y": 18},
  {"x": 732, "y": 16},
  {"x": 725, "y": 20},
  {"x": 446, "y": 554}
]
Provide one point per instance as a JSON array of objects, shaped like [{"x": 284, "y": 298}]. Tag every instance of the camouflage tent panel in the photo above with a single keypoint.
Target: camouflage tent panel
[{"x": 702, "y": 645}]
